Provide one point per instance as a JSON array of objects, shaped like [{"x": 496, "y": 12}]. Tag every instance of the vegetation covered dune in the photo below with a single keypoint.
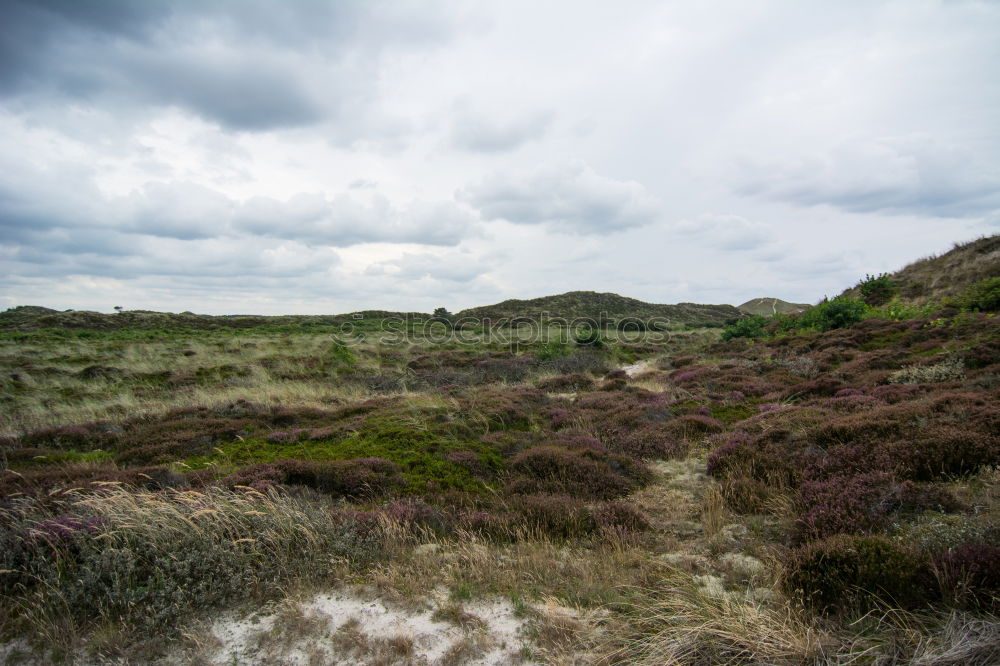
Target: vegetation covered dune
[{"x": 810, "y": 488}]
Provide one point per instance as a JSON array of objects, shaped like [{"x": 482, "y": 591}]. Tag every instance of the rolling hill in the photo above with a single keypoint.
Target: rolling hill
[
  {"x": 604, "y": 307},
  {"x": 771, "y": 306}
]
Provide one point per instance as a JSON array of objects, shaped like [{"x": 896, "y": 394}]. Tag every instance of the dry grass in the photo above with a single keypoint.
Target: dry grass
[
  {"x": 148, "y": 560},
  {"x": 686, "y": 622}
]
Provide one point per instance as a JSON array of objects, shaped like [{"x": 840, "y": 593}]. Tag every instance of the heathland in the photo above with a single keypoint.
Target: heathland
[{"x": 584, "y": 479}]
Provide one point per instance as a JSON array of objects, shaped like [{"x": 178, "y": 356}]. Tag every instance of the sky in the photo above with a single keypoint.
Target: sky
[{"x": 280, "y": 156}]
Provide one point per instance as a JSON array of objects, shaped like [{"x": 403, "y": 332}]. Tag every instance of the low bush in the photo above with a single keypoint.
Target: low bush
[
  {"x": 842, "y": 505},
  {"x": 553, "y": 469},
  {"x": 950, "y": 370},
  {"x": 846, "y": 571},
  {"x": 983, "y": 296},
  {"x": 652, "y": 441},
  {"x": 556, "y": 515},
  {"x": 363, "y": 478},
  {"x": 620, "y": 516},
  {"x": 969, "y": 575},
  {"x": 749, "y": 327},
  {"x": 142, "y": 562},
  {"x": 840, "y": 312},
  {"x": 878, "y": 289},
  {"x": 564, "y": 383}
]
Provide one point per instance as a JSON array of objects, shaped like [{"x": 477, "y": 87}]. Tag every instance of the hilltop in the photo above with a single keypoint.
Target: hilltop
[
  {"x": 604, "y": 307},
  {"x": 766, "y": 307},
  {"x": 936, "y": 278}
]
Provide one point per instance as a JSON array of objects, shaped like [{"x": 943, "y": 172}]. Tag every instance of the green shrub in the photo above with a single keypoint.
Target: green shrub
[
  {"x": 589, "y": 337},
  {"x": 553, "y": 349},
  {"x": 748, "y": 327},
  {"x": 896, "y": 310},
  {"x": 983, "y": 296},
  {"x": 878, "y": 290},
  {"x": 841, "y": 312},
  {"x": 845, "y": 570},
  {"x": 341, "y": 354}
]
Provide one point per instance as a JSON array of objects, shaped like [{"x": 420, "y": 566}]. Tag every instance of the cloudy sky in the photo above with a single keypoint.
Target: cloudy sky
[{"x": 328, "y": 156}]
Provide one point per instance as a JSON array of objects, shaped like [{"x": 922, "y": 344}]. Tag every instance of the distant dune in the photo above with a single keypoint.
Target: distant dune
[
  {"x": 607, "y": 306},
  {"x": 771, "y": 306}
]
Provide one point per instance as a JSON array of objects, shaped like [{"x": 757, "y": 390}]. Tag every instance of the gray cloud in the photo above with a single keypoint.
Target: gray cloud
[
  {"x": 899, "y": 175},
  {"x": 247, "y": 65},
  {"x": 111, "y": 254},
  {"x": 179, "y": 210},
  {"x": 726, "y": 232},
  {"x": 37, "y": 209},
  {"x": 570, "y": 198},
  {"x": 477, "y": 133},
  {"x": 349, "y": 220},
  {"x": 450, "y": 267}
]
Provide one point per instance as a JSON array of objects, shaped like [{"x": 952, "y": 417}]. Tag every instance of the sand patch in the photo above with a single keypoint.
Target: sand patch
[{"x": 349, "y": 628}]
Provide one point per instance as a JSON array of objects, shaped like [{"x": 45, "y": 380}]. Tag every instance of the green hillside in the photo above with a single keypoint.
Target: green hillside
[{"x": 605, "y": 307}]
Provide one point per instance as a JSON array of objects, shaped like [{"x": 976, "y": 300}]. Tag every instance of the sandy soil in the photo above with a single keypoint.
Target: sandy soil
[{"x": 349, "y": 628}]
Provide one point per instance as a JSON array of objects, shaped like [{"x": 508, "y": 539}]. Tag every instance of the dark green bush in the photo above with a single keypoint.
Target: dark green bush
[
  {"x": 878, "y": 290},
  {"x": 748, "y": 327},
  {"x": 846, "y": 571},
  {"x": 589, "y": 337},
  {"x": 983, "y": 296},
  {"x": 841, "y": 312}
]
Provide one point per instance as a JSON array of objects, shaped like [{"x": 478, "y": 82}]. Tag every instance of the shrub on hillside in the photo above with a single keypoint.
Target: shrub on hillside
[
  {"x": 694, "y": 425},
  {"x": 878, "y": 290},
  {"x": 821, "y": 386},
  {"x": 983, "y": 296},
  {"x": 749, "y": 327},
  {"x": 652, "y": 441},
  {"x": 553, "y": 349},
  {"x": 910, "y": 497},
  {"x": 589, "y": 337},
  {"x": 845, "y": 570},
  {"x": 840, "y": 312}
]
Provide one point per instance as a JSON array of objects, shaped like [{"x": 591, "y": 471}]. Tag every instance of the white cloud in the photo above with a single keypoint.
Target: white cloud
[
  {"x": 726, "y": 232},
  {"x": 569, "y": 197}
]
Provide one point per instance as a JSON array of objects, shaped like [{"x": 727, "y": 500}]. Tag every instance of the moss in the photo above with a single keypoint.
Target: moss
[
  {"x": 63, "y": 457},
  {"x": 421, "y": 454},
  {"x": 883, "y": 341},
  {"x": 730, "y": 414}
]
